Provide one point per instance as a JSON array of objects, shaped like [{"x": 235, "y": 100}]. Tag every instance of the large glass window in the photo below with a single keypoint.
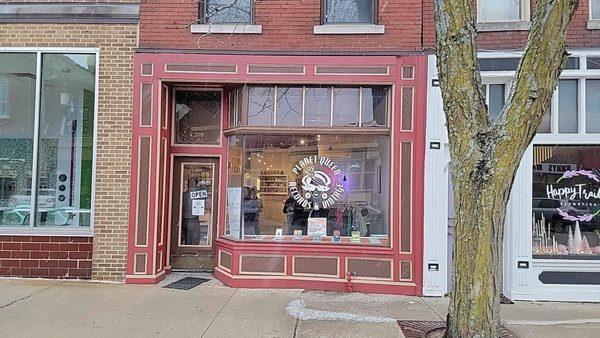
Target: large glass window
[
  {"x": 63, "y": 148},
  {"x": 226, "y": 11},
  {"x": 311, "y": 188},
  {"x": 350, "y": 11},
  {"x": 566, "y": 201},
  {"x": 499, "y": 10}
]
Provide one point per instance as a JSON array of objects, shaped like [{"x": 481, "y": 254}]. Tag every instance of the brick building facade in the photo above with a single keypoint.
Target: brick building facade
[{"x": 63, "y": 250}]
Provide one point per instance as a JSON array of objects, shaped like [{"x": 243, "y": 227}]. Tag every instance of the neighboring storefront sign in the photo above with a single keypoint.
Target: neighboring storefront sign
[{"x": 320, "y": 184}]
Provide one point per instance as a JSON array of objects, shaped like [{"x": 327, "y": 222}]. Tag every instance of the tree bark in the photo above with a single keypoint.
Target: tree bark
[{"x": 485, "y": 154}]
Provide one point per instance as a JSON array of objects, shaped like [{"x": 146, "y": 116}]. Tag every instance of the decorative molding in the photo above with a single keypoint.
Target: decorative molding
[{"x": 74, "y": 12}]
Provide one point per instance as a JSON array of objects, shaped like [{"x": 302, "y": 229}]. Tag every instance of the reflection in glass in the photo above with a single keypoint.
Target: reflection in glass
[
  {"x": 595, "y": 9},
  {"x": 197, "y": 117},
  {"x": 349, "y": 11},
  {"x": 234, "y": 186},
  {"x": 496, "y": 101},
  {"x": 592, "y": 104},
  {"x": 228, "y": 11},
  {"x": 66, "y": 139},
  {"x": 566, "y": 202},
  {"x": 318, "y": 107},
  {"x": 567, "y": 106},
  {"x": 374, "y": 106},
  {"x": 17, "y": 109},
  {"x": 345, "y": 106},
  {"x": 499, "y": 10},
  {"x": 289, "y": 106},
  {"x": 313, "y": 187},
  {"x": 260, "y": 106},
  {"x": 196, "y": 204}
]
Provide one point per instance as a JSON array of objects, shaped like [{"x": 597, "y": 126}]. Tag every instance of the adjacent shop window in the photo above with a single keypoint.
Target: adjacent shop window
[
  {"x": 311, "y": 106},
  {"x": 595, "y": 9},
  {"x": 566, "y": 201},
  {"x": 500, "y": 10},
  {"x": 63, "y": 148},
  {"x": 197, "y": 117},
  {"x": 349, "y": 11},
  {"x": 226, "y": 11},
  {"x": 323, "y": 188}
]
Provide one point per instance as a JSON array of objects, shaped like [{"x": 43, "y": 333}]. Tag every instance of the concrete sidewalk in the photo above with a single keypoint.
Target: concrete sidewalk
[{"x": 43, "y": 308}]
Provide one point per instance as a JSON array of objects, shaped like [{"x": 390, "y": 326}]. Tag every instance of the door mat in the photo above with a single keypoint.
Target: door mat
[
  {"x": 186, "y": 283},
  {"x": 422, "y": 329}
]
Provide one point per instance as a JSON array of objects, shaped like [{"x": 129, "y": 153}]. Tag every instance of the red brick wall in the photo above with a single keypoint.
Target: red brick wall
[
  {"x": 578, "y": 36},
  {"x": 46, "y": 256},
  {"x": 287, "y": 25}
]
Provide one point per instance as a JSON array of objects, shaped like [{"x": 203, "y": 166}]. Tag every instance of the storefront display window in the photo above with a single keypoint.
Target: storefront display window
[
  {"x": 62, "y": 152},
  {"x": 324, "y": 188},
  {"x": 566, "y": 201}
]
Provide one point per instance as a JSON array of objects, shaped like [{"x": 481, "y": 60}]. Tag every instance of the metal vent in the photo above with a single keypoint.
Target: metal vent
[
  {"x": 275, "y": 69},
  {"x": 355, "y": 70},
  {"x": 200, "y": 68}
]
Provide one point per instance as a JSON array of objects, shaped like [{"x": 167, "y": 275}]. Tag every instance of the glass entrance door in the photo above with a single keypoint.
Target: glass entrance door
[{"x": 194, "y": 214}]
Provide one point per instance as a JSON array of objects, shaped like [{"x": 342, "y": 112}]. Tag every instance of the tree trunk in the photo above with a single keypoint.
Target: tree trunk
[{"x": 485, "y": 154}]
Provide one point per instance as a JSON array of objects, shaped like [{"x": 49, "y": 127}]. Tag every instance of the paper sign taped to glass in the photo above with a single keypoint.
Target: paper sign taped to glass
[
  {"x": 317, "y": 227},
  {"x": 198, "y": 207}
]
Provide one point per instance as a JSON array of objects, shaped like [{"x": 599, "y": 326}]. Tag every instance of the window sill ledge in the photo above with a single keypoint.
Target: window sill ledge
[
  {"x": 39, "y": 231},
  {"x": 227, "y": 29},
  {"x": 503, "y": 26},
  {"x": 349, "y": 29},
  {"x": 593, "y": 24}
]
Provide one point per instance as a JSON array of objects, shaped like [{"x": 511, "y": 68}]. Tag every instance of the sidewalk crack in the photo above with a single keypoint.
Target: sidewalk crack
[
  {"x": 218, "y": 313},
  {"x": 3, "y": 306}
]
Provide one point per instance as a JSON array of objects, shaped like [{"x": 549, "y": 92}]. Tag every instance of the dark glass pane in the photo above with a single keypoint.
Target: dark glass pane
[
  {"x": 349, "y": 11},
  {"x": 496, "y": 100},
  {"x": 567, "y": 106},
  {"x": 228, "y": 11},
  {"x": 66, "y": 139},
  {"x": 592, "y": 104},
  {"x": 345, "y": 106},
  {"x": 317, "y": 107},
  {"x": 289, "y": 106},
  {"x": 261, "y": 106},
  {"x": 17, "y": 109},
  {"x": 374, "y": 106},
  {"x": 197, "y": 117},
  {"x": 593, "y": 63},
  {"x": 498, "y": 64},
  {"x": 572, "y": 63}
]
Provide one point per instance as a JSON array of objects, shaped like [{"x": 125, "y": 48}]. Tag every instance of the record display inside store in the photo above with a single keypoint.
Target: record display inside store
[{"x": 566, "y": 202}]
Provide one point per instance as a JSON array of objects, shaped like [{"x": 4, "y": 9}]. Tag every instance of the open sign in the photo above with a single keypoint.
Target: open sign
[{"x": 199, "y": 194}]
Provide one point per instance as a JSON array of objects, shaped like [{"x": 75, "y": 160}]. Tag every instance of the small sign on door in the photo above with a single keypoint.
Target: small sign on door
[
  {"x": 198, "y": 194},
  {"x": 198, "y": 207}
]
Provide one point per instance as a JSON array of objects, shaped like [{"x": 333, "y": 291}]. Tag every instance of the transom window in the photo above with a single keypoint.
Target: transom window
[
  {"x": 501, "y": 10},
  {"x": 310, "y": 106},
  {"x": 226, "y": 11},
  {"x": 349, "y": 11}
]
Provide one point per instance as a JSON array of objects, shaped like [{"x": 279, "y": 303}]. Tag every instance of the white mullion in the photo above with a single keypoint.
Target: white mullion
[
  {"x": 554, "y": 112},
  {"x": 581, "y": 108},
  {"x": 36, "y": 132},
  {"x": 275, "y": 108},
  {"x": 360, "y": 99},
  {"x": 331, "y": 109},
  {"x": 303, "y": 105}
]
